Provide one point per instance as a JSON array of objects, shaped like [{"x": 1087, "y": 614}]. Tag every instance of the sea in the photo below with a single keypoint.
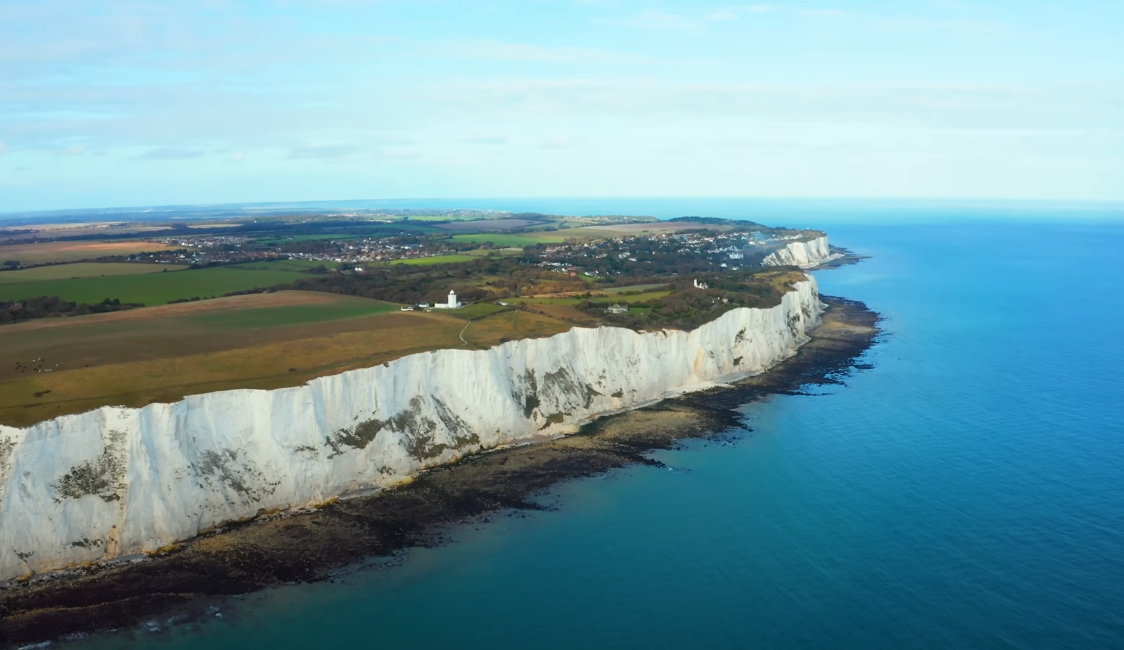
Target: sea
[{"x": 965, "y": 489}]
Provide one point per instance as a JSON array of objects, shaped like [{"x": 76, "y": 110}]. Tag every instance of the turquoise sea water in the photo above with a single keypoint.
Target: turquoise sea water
[{"x": 965, "y": 492}]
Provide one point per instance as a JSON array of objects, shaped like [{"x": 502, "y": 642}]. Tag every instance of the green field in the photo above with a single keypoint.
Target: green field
[
  {"x": 284, "y": 265},
  {"x": 546, "y": 301},
  {"x": 477, "y": 310},
  {"x": 635, "y": 287},
  {"x": 429, "y": 217},
  {"x": 299, "y": 238},
  {"x": 151, "y": 288},
  {"x": 436, "y": 259},
  {"x": 343, "y": 307},
  {"x": 641, "y": 297},
  {"x": 576, "y": 300},
  {"x": 509, "y": 240},
  {"x": 82, "y": 270}
]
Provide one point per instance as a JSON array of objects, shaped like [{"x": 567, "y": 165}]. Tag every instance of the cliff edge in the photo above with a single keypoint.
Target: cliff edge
[
  {"x": 805, "y": 254},
  {"x": 119, "y": 481}
]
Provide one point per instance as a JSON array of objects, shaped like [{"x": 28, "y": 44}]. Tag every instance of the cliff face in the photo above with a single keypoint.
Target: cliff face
[
  {"x": 119, "y": 481},
  {"x": 804, "y": 254}
]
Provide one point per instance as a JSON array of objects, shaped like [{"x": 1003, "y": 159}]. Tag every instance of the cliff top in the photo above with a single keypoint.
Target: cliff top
[{"x": 337, "y": 300}]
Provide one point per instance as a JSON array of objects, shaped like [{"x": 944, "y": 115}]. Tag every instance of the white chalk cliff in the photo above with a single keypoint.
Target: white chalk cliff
[
  {"x": 804, "y": 254},
  {"x": 119, "y": 481}
]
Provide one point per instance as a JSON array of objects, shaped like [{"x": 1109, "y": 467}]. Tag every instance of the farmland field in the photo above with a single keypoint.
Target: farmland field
[
  {"x": 82, "y": 270},
  {"x": 501, "y": 239},
  {"x": 436, "y": 259},
  {"x": 341, "y": 308},
  {"x": 151, "y": 288},
  {"x": 635, "y": 287},
  {"x": 300, "y": 238},
  {"x": 285, "y": 265},
  {"x": 640, "y": 297},
  {"x": 491, "y": 224},
  {"x": 70, "y": 251},
  {"x": 477, "y": 310},
  {"x": 496, "y": 252},
  {"x": 272, "y": 340}
]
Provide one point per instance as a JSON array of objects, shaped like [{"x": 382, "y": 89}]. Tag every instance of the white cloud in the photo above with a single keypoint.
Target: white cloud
[
  {"x": 318, "y": 150},
  {"x": 3, "y": 148},
  {"x": 719, "y": 16},
  {"x": 658, "y": 19},
  {"x": 823, "y": 13},
  {"x": 173, "y": 153},
  {"x": 485, "y": 139},
  {"x": 522, "y": 52},
  {"x": 563, "y": 142},
  {"x": 74, "y": 151}
]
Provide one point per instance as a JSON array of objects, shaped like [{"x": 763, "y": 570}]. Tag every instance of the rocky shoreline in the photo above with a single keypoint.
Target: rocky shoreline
[{"x": 309, "y": 545}]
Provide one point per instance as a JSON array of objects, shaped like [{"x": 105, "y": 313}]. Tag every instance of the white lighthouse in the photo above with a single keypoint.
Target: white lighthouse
[{"x": 452, "y": 304}]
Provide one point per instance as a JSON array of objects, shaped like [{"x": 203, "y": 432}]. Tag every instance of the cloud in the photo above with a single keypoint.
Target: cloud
[
  {"x": 323, "y": 151},
  {"x": 991, "y": 107},
  {"x": 73, "y": 151},
  {"x": 662, "y": 20},
  {"x": 924, "y": 25},
  {"x": 237, "y": 156},
  {"x": 658, "y": 19},
  {"x": 823, "y": 13},
  {"x": 3, "y": 148},
  {"x": 487, "y": 140},
  {"x": 522, "y": 52},
  {"x": 559, "y": 143},
  {"x": 719, "y": 16},
  {"x": 172, "y": 153}
]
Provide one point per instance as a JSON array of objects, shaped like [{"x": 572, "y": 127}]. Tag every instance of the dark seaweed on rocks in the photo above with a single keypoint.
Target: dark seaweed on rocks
[{"x": 309, "y": 546}]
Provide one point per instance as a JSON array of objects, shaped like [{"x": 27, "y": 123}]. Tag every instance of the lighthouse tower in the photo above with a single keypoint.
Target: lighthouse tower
[{"x": 453, "y": 304}]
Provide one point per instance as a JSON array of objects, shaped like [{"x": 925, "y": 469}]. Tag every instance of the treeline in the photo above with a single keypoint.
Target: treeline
[
  {"x": 486, "y": 278},
  {"x": 382, "y": 285},
  {"x": 54, "y": 307}
]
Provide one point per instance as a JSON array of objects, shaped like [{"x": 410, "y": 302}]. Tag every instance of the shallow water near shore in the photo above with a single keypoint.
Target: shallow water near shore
[{"x": 967, "y": 491}]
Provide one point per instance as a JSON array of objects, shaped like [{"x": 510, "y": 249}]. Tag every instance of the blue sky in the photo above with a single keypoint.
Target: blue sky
[{"x": 112, "y": 103}]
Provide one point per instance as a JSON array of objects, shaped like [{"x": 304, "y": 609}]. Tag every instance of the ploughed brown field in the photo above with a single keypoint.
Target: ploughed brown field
[
  {"x": 70, "y": 251},
  {"x": 60, "y": 366}
]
